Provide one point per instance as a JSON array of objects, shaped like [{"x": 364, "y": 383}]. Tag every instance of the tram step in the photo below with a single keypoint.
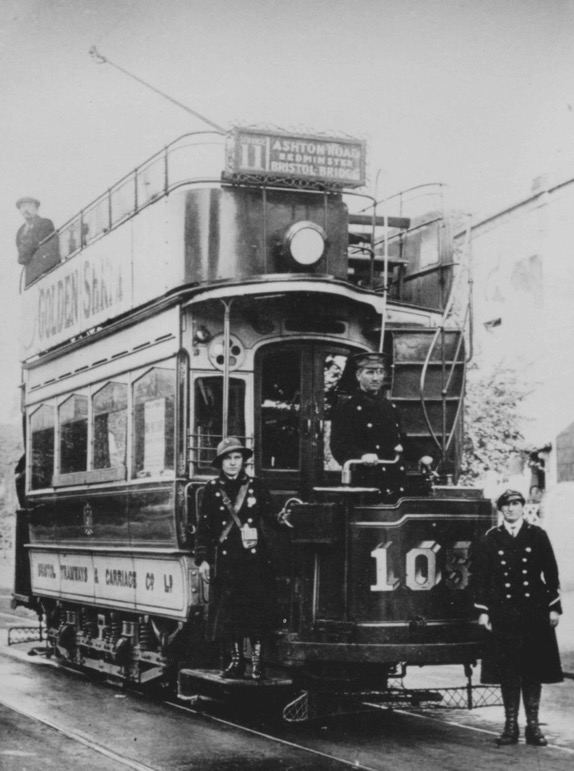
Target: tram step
[{"x": 209, "y": 683}]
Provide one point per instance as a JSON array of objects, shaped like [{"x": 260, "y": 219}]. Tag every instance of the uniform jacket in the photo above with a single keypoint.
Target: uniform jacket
[
  {"x": 242, "y": 599},
  {"x": 369, "y": 424},
  {"x": 214, "y": 516},
  {"x": 28, "y": 239},
  {"x": 365, "y": 423},
  {"x": 515, "y": 580}
]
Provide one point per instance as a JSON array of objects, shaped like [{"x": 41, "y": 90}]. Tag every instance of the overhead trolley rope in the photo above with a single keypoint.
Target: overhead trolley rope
[{"x": 103, "y": 60}]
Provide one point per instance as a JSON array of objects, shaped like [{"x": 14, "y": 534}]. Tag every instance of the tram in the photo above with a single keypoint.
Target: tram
[{"x": 222, "y": 288}]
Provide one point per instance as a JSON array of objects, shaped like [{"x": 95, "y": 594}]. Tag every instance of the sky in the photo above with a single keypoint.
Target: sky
[{"x": 478, "y": 94}]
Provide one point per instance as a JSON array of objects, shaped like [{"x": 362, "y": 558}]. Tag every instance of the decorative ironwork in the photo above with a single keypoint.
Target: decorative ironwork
[{"x": 23, "y": 634}]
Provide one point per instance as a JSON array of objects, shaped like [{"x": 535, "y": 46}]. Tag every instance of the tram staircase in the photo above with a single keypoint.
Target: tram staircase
[{"x": 428, "y": 387}]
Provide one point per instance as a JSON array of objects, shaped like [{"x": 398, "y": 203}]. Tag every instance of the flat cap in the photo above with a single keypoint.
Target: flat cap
[
  {"x": 27, "y": 199},
  {"x": 508, "y": 496},
  {"x": 368, "y": 358}
]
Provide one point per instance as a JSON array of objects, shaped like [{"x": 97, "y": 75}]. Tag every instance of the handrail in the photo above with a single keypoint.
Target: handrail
[
  {"x": 346, "y": 472},
  {"x": 147, "y": 183}
]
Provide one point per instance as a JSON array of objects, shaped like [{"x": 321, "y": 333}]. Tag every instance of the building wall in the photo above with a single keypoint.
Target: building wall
[{"x": 523, "y": 263}]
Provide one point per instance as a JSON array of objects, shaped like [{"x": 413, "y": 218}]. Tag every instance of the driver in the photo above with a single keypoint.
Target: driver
[{"x": 367, "y": 427}]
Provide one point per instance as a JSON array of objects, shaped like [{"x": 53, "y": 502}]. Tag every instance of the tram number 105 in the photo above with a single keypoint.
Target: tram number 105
[{"x": 423, "y": 568}]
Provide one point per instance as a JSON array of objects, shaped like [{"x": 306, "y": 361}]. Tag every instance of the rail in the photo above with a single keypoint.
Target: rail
[
  {"x": 346, "y": 472},
  {"x": 190, "y": 158}
]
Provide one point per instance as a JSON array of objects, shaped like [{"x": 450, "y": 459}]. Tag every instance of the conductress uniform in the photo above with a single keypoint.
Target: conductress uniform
[
  {"x": 242, "y": 587},
  {"x": 515, "y": 581}
]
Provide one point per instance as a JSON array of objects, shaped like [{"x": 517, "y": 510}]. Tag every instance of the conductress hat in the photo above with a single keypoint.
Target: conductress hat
[
  {"x": 369, "y": 358},
  {"x": 508, "y": 496},
  {"x": 230, "y": 444},
  {"x": 27, "y": 199}
]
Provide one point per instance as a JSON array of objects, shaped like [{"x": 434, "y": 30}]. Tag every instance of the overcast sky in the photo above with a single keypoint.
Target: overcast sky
[{"x": 475, "y": 93}]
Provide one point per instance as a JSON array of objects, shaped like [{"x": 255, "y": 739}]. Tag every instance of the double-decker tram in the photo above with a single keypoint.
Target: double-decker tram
[{"x": 223, "y": 288}]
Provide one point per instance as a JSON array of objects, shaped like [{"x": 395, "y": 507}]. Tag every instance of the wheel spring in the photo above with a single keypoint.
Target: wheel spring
[{"x": 145, "y": 636}]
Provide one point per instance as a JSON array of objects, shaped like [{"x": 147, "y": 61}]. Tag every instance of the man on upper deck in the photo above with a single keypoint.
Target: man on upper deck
[
  {"x": 34, "y": 230},
  {"x": 367, "y": 427}
]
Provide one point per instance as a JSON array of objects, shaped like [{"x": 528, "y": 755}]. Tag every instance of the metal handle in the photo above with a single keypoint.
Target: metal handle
[{"x": 346, "y": 473}]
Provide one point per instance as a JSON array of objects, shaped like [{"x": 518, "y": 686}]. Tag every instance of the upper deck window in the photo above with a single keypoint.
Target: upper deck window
[
  {"x": 110, "y": 420},
  {"x": 73, "y": 424},
  {"x": 42, "y": 446},
  {"x": 154, "y": 425}
]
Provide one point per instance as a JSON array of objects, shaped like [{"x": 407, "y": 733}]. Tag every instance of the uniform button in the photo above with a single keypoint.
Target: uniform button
[
  {"x": 222, "y": 508},
  {"x": 503, "y": 562},
  {"x": 507, "y": 586},
  {"x": 402, "y": 468},
  {"x": 525, "y": 559},
  {"x": 250, "y": 520},
  {"x": 378, "y": 447},
  {"x": 222, "y": 521},
  {"x": 526, "y": 583},
  {"x": 527, "y": 594},
  {"x": 359, "y": 407},
  {"x": 508, "y": 596},
  {"x": 528, "y": 548},
  {"x": 501, "y": 552},
  {"x": 384, "y": 468},
  {"x": 369, "y": 425},
  {"x": 218, "y": 495},
  {"x": 525, "y": 571},
  {"x": 401, "y": 489},
  {"x": 253, "y": 551},
  {"x": 224, "y": 552}
]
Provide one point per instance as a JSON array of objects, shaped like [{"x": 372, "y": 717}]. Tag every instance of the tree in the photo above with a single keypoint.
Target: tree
[{"x": 492, "y": 422}]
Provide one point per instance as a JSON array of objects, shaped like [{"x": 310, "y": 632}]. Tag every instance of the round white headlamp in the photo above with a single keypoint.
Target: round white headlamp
[{"x": 305, "y": 242}]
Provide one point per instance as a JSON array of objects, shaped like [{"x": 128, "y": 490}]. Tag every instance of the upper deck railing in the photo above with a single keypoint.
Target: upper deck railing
[{"x": 193, "y": 157}]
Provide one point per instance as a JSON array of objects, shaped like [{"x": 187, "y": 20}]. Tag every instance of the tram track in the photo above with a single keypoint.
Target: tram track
[
  {"x": 257, "y": 732},
  {"x": 333, "y": 760},
  {"x": 79, "y": 737},
  {"x": 270, "y": 737}
]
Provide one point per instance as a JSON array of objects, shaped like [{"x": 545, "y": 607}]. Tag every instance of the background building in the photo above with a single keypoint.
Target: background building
[{"x": 523, "y": 264}]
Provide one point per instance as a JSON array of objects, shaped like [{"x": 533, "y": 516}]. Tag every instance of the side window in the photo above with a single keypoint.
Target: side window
[
  {"x": 42, "y": 447},
  {"x": 110, "y": 416},
  {"x": 154, "y": 425},
  {"x": 73, "y": 428},
  {"x": 208, "y": 412},
  {"x": 333, "y": 368}
]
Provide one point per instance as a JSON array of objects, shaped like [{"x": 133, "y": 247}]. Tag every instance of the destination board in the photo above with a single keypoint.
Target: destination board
[{"x": 297, "y": 156}]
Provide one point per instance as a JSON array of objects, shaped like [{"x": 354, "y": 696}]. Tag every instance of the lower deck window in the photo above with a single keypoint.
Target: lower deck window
[
  {"x": 154, "y": 423},
  {"x": 42, "y": 447}
]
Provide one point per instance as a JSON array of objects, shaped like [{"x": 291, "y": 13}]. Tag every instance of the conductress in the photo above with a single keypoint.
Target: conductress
[{"x": 232, "y": 555}]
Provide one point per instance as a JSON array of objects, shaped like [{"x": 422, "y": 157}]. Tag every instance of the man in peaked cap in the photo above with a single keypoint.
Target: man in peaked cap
[
  {"x": 516, "y": 594},
  {"x": 34, "y": 230},
  {"x": 367, "y": 427}
]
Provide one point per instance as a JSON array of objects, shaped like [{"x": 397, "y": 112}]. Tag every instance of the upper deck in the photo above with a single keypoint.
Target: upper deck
[{"x": 211, "y": 208}]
